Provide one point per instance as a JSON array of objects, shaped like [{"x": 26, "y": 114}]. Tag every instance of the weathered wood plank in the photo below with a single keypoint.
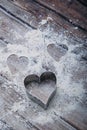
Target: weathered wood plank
[
  {"x": 72, "y": 10},
  {"x": 32, "y": 16},
  {"x": 17, "y": 123},
  {"x": 24, "y": 17},
  {"x": 10, "y": 28},
  {"x": 55, "y": 124},
  {"x": 40, "y": 13},
  {"x": 8, "y": 98},
  {"x": 77, "y": 118}
]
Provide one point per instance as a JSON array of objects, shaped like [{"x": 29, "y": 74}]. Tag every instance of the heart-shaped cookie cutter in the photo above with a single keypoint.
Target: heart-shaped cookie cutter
[{"x": 41, "y": 89}]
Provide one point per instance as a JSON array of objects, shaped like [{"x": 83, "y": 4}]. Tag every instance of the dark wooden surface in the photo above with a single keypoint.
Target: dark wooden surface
[
  {"x": 68, "y": 16},
  {"x": 68, "y": 20},
  {"x": 76, "y": 118},
  {"x": 72, "y": 11}
]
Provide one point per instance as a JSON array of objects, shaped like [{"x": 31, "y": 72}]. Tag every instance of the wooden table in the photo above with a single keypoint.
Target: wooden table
[{"x": 17, "y": 112}]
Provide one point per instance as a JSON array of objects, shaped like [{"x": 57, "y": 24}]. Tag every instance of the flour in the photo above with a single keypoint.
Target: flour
[
  {"x": 34, "y": 47},
  {"x": 18, "y": 106},
  {"x": 44, "y": 21}
]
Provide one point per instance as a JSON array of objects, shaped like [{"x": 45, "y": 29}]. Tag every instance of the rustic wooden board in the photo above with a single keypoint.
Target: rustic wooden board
[
  {"x": 77, "y": 118},
  {"x": 57, "y": 124},
  {"x": 18, "y": 121},
  {"x": 8, "y": 95},
  {"x": 8, "y": 27},
  {"x": 72, "y": 10},
  {"x": 11, "y": 19},
  {"x": 40, "y": 12},
  {"x": 22, "y": 16},
  {"x": 9, "y": 118}
]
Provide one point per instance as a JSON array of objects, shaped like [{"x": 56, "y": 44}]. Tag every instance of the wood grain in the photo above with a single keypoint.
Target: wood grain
[
  {"x": 40, "y": 12},
  {"x": 72, "y": 10},
  {"x": 77, "y": 118}
]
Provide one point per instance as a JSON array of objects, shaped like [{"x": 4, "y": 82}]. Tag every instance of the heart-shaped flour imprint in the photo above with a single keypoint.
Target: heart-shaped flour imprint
[
  {"x": 41, "y": 89},
  {"x": 16, "y": 63},
  {"x": 57, "y": 51}
]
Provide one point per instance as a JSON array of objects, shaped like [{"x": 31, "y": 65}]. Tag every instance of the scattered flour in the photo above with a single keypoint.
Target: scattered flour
[
  {"x": 18, "y": 106},
  {"x": 34, "y": 46},
  {"x": 44, "y": 21}
]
